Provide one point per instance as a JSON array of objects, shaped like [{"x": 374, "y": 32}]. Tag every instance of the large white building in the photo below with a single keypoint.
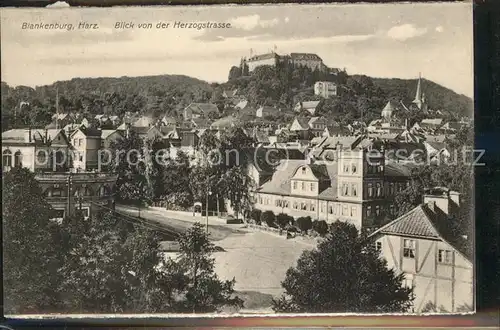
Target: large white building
[
  {"x": 346, "y": 182},
  {"x": 325, "y": 89}
]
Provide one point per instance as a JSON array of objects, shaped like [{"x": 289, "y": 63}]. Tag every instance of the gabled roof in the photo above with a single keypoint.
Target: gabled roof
[
  {"x": 310, "y": 104},
  {"x": 431, "y": 122},
  {"x": 425, "y": 221},
  {"x": 203, "y": 108},
  {"x": 88, "y": 132},
  {"x": 37, "y": 135},
  {"x": 390, "y": 107},
  {"x": 241, "y": 105},
  {"x": 225, "y": 122},
  {"x": 436, "y": 145},
  {"x": 281, "y": 179},
  {"x": 305, "y": 56},
  {"x": 200, "y": 122},
  {"x": 303, "y": 122},
  {"x": 262, "y": 57},
  {"x": 144, "y": 121},
  {"x": 397, "y": 170},
  {"x": 230, "y": 93},
  {"x": 107, "y": 132},
  {"x": 314, "y": 120}
]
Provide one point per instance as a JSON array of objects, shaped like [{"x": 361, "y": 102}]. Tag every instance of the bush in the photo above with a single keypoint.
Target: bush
[
  {"x": 304, "y": 224},
  {"x": 268, "y": 217},
  {"x": 321, "y": 227},
  {"x": 255, "y": 215},
  {"x": 284, "y": 220}
]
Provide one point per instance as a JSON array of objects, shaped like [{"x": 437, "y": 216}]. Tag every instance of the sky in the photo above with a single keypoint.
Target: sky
[{"x": 382, "y": 40}]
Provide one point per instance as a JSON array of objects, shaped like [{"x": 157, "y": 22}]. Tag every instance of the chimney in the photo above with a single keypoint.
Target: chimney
[{"x": 438, "y": 198}]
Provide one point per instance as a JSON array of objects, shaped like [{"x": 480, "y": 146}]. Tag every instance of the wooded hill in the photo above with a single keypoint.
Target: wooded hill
[{"x": 361, "y": 97}]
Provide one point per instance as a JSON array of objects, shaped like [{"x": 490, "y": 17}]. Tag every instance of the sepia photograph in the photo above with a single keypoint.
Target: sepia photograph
[{"x": 238, "y": 160}]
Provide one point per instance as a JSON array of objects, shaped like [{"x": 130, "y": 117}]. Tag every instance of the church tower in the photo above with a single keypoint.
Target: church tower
[{"x": 419, "y": 100}]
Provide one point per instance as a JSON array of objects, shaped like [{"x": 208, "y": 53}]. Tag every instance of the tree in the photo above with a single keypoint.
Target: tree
[
  {"x": 110, "y": 266},
  {"x": 131, "y": 162},
  {"x": 234, "y": 73},
  {"x": 31, "y": 258},
  {"x": 304, "y": 224},
  {"x": 343, "y": 274},
  {"x": 255, "y": 215},
  {"x": 321, "y": 227},
  {"x": 236, "y": 185},
  {"x": 268, "y": 218},
  {"x": 197, "y": 288},
  {"x": 284, "y": 220}
]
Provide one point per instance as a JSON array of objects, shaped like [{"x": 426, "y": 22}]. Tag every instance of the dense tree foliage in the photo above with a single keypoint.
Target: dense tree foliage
[
  {"x": 195, "y": 284},
  {"x": 154, "y": 95},
  {"x": 343, "y": 274},
  {"x": 30, "y": 250}
]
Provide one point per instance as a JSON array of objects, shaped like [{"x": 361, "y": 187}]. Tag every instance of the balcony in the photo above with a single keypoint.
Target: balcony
[{"x": 75, "y": 176}]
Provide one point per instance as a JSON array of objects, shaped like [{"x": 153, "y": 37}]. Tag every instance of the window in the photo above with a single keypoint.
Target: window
[
  {"x": 345, "y": 209},
  {"x": 378, "y": 246},
  {"x": 346, "y": 168},
  {"x": 312, "y": 207},
  {"x": 277, "y": 203},
  {"x": 80, "y": 142},
  {"x": 303, "y": 206},
  {"x": 303, "y": 170},
  {"x": 354, "y": 169},
  {"x": 345, "y": 189},
  {"x": 86, "y": 212},
  {"x": 7, "y": 158},
  {"x": 391, "y": 210},
  {"x": 381, "y": 168},
  {"x": 295, "y": 185},
  {"x": 353, "y": 211},
  {"x": 303, "y": 185},
  {"x": 80, "y": 157},
  {"x": 409, "y": 248},
  {"x": 41, "y": 157},
  {"x": 354, "y": 190},
  {"x": 322, "y": 208},
  {"x": 260, "y": 200},
  {"x": 313, "y": 186},
  {"x": 379, "y": 189},
  {"x": 285, "y": 204},
  {"x": 370, "y": 190},
  {"x": 295, "y": 205},
  {"x": 330, "y": 209},
  {"x": 18, "y": 159},
  {"x": 368, "y": 211},
  {"x": 408, "y": 281},
  {"x": 377, "y": 210},
  {"x": 391, "y": 188},
  {"x": 56, "y": 192},
  {"x": 444, "y": 256}
]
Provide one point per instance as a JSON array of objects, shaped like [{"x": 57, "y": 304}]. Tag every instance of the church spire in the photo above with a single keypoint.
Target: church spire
[{"x": 418, "y": 95}]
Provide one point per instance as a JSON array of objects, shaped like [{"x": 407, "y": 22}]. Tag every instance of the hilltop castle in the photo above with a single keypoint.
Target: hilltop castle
[{"x": 312, "y": 61}]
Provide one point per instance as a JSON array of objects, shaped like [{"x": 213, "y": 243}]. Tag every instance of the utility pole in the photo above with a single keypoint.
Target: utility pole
[
  {"x": 57, "y": 108},
  {"x": 69, "y": 195},
  {"x": 206, "y": 205}
]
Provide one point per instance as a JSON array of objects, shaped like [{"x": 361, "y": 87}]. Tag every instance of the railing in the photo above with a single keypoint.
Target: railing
[{"x": 74, "y": 176}]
